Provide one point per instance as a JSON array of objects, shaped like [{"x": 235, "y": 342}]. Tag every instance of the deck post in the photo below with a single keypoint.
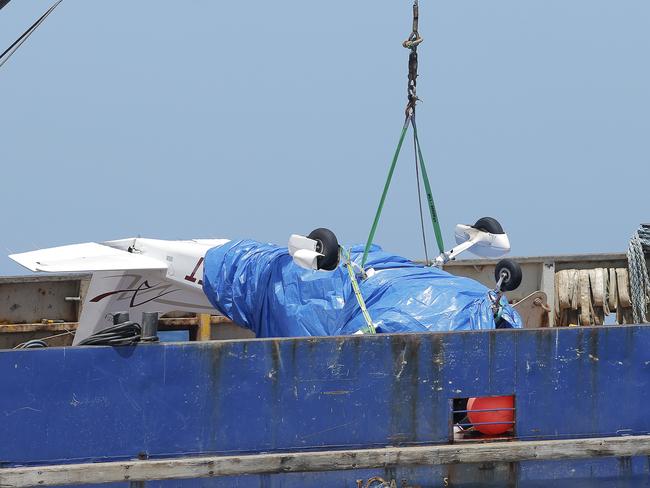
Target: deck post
[
  {"x": 204, "y": 332},
  {"x": 547, "y": 285},
  {"x": 149, "y": 326}
]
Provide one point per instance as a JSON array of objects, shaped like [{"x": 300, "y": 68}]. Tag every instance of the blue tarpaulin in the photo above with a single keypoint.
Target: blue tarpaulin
[{"x": 259, "y": 287}]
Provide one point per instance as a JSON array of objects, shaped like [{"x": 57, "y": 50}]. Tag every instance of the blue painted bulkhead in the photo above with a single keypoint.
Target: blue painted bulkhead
[{"x": 81, "y": 404}]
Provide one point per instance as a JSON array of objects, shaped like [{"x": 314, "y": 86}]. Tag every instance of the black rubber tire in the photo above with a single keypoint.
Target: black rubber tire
[
  {"x": 328, "y": 246},
  {"x": 488, "y": 224},
  {"x": 513, "y": 271}
]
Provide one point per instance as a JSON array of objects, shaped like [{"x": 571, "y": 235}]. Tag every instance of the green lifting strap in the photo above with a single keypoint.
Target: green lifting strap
[
  {"x": 427, "y": 188},
  {"x": 412, "y": 44},
  {"x": 383, "y": 195}
]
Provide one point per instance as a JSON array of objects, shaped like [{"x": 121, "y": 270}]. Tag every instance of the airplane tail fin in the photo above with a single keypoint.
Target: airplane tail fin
[
  {"x": 122, "y": 281},
  {"x": 110, "y": 292}
]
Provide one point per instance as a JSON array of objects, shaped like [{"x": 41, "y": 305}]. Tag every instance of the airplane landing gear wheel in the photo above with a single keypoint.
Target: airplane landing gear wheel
[
  {"x": 488, "y": 224},
  {"x": 328, "y": 246},
  {"x": 511, "y": 272}
]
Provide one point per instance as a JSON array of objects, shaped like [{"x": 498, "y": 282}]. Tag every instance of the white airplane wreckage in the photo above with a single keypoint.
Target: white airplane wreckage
[{"x": 313, "y": 287}]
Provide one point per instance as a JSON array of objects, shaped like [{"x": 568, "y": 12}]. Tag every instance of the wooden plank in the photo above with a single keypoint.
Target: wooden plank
[
  {"x": 165, "y": 324},
  {"x": 182, "y": 323},
  {"x": 44, "y": 278},
  {"x": 53, "y": 327},
  {"x": 214, "y": 466}
]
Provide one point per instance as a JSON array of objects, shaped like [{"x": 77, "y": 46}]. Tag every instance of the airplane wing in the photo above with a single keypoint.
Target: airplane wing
[
  {"x": 88, "y": 256},
  {"x": 3, "y": 3}
]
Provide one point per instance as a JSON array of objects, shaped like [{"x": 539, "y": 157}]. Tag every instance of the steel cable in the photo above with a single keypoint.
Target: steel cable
[{"x": 4, "y": 57}]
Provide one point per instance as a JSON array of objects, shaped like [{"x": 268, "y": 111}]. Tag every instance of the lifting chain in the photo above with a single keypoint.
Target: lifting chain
[{"x": 412, "y": 43}]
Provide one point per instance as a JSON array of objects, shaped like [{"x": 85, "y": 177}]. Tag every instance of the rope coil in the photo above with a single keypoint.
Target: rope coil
[{"x": 639, "y": 280}]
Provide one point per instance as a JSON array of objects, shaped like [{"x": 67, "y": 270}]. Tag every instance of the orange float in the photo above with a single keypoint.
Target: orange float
[{"x": 492, "y": 404}]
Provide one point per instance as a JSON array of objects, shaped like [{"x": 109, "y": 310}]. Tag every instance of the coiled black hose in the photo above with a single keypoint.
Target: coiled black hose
[{"x": 123, "y": 334}]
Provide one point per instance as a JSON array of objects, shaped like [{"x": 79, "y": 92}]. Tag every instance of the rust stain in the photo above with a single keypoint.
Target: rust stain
[
  {"x": 214, "y": 357},
  {"x": 405, "y": 352},
  {"x": 625, "y": 466},
  {"x": 276, "y": 357}
]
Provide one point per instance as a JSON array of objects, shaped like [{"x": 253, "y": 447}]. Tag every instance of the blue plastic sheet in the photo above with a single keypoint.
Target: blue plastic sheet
[{"x": 259, "y": 287}]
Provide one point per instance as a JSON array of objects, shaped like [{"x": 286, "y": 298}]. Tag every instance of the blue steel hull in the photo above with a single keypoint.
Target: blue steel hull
[{"x": 72, "y": 405}]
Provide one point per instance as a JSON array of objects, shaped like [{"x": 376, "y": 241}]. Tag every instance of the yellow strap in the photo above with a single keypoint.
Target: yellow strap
[{"x": 370, "y": 327}]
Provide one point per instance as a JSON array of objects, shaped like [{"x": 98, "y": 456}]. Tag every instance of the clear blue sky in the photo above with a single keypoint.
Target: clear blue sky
[{"x": 260, "y": 119}]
